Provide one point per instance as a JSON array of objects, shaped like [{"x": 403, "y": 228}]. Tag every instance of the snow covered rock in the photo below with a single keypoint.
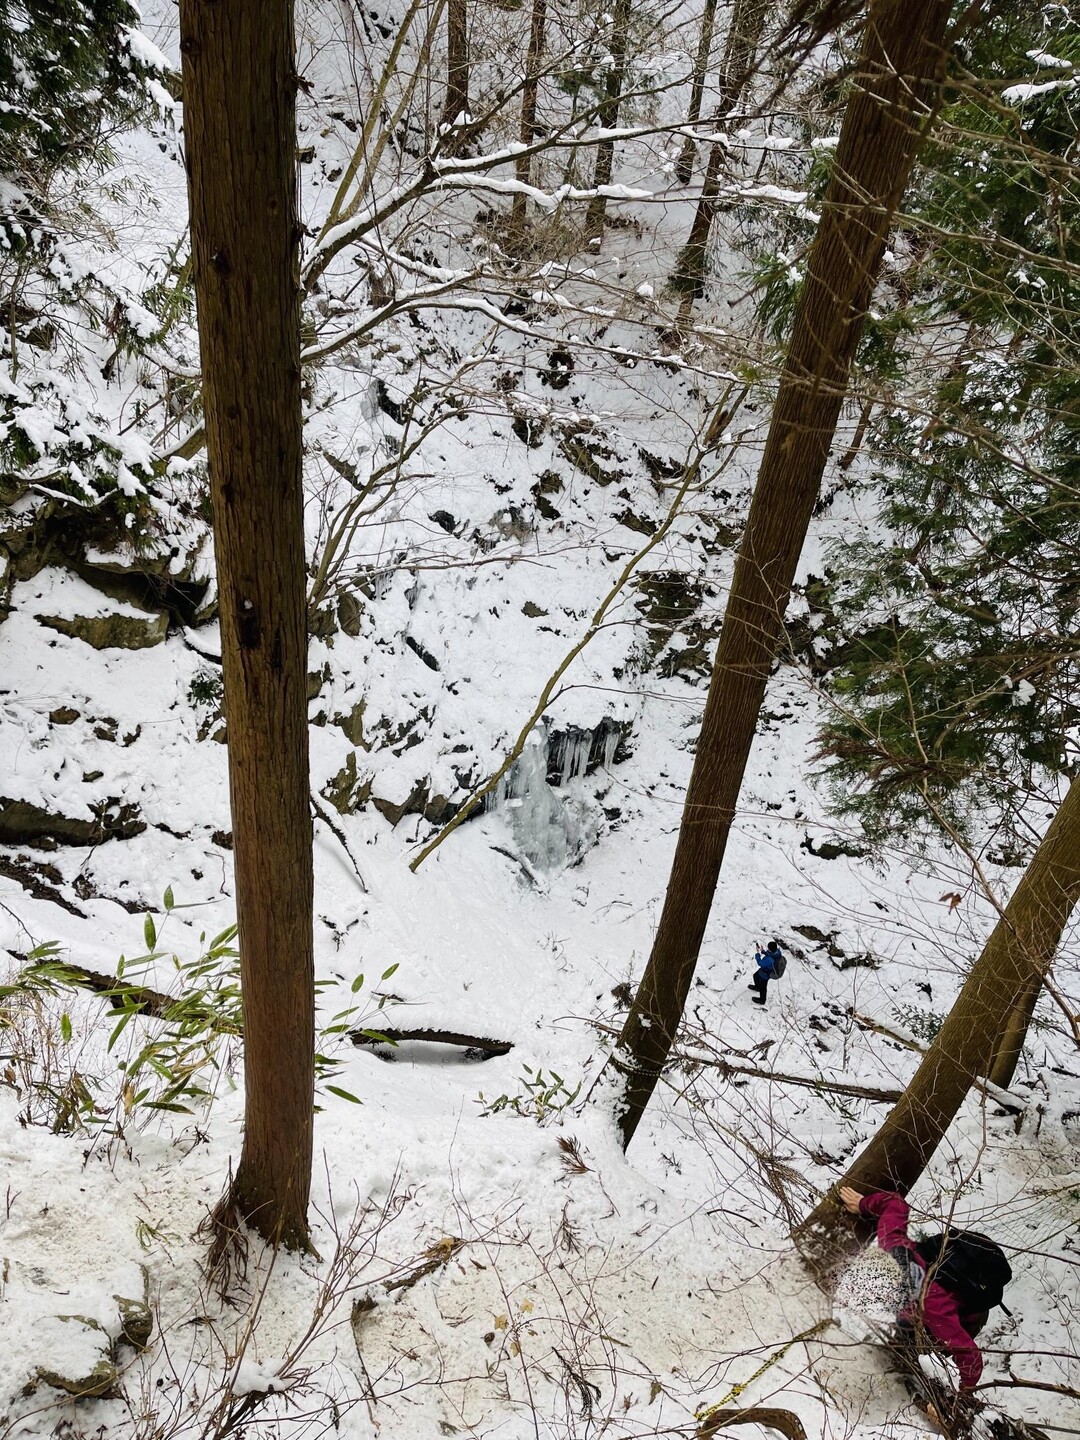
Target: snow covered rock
[
  {"x": 136, "y": 1321},
  {"x": 24, "y": 823},
  {"x": 75, "y": 1353},
  {"x": 120, "y": 631}
]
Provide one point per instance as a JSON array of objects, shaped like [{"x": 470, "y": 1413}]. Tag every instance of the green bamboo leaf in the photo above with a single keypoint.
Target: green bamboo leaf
[
  {"x": 344, "y": 1094},
  {"x": 119, "y": 1028},
  {"x": 378, "y": 1036}
]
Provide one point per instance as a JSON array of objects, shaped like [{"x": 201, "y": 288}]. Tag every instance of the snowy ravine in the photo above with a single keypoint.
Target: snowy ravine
[{"x": 489, "y": 1262}]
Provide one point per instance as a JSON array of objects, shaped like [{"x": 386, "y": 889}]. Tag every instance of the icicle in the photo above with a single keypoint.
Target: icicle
[{"x": 551, "y": 828}]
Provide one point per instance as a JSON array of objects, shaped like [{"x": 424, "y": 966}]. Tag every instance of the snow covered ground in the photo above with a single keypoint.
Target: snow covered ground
[{"x": 490, "y": 1263}]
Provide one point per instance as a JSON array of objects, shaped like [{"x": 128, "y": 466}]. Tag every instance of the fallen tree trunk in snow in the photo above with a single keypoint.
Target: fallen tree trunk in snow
[
  {"x": 436, "y": 1037},
  {"x": 786, "y": 1421}
]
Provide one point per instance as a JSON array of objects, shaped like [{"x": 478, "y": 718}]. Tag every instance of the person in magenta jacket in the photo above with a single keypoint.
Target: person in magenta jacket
[{"x": 940, "y": 1312}]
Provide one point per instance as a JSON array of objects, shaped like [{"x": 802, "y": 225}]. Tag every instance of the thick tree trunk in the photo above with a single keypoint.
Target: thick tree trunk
[
  {"x": 529, "y": 95},
  {"x": 239, "y": 127},
  {"x": 684, "y": 166},
  {"x": 1014, "y": 960},
  {"x": 457, "y": 66},
  {"x": 897, "y": 80},
  {"x": 740, "y": 54},
  {"x": 607, "y": 119}
]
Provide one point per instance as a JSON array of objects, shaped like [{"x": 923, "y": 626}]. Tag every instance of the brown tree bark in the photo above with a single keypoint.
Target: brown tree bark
[
  {"x": 457, "y": 65},
  {"x": 529, "y": 94},
  {"x": 894, "y": 89},
  {"x": 740, "y": 53},
  {"x": 1013, "y": 1033},
  {"x": 684, "y": 166},
  {"x": 1017, "y": 955},
  {"x": 607, "y": 118},
  {"x": 240, "y": 133}
]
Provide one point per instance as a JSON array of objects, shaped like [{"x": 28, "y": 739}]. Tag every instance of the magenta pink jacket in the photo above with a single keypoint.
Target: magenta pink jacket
[{"x": 940, "y": 1310}]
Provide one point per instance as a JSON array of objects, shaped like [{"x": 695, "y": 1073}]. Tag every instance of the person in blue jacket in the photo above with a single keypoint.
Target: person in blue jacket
[{"x": 770, "y": 963}]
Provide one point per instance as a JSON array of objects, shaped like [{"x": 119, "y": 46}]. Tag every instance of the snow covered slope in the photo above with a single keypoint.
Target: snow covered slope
[{"x": 489, "y": 1262}]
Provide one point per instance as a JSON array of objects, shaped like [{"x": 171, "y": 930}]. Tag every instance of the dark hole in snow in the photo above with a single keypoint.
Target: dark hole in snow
[{"x": 413, "y": 1052}]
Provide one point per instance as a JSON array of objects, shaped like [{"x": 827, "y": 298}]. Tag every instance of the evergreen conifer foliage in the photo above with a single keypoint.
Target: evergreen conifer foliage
[
  {"x": 73, "y": 75},
  {"x": 67, "y": 70},
  {"x": 956, "y": 613}
]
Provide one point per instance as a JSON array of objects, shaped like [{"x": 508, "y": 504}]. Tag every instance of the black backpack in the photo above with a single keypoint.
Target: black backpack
[
  {"x": 968, "y": 1264},
  {"x": 779, "y": 963}
]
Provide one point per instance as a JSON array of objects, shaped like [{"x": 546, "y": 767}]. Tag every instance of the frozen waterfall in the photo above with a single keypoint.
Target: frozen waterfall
[{"x": 552, "y": 823}]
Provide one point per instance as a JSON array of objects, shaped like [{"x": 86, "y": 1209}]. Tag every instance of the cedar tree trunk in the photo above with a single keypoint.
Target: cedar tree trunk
[
  {"x": 893, "y": 91},
  {"x": 457, "y": 66},
  {"x": 240, "y": 133},
  {"x": 529, "y": 94},
  {"x": 607, "y": 118},
  {"x": 740, "y": 53},
  {"x": 1018, "y": 954},
  {"x": 685, "y": 165}
]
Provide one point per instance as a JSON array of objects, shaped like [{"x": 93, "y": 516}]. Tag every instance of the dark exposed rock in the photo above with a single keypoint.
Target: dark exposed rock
[
  {"x": 397, "y": 410},
  {"x": 136, "y": 1321},
  {"x": 512, "y": 523},
  {"x": 145, "y": 582},
  {"x": 673, "y": 602},
  {"x": 659, "y": 468},
  {"x": 811, "y": 932},
  {"x": 317, "y": 679},
  {"x": 586, "y": 455},
  {"x": 436, "y": 809},
  {"x": 322, "y": 622},
  {"x": 444, "y": 520},
  {"x": 440, "y": 809},
  {"x": 110, "y": 632},
  {"x": 550, "y": 483},
  {"x": 39, "y": 881},
  {"x": 345, "y": 791},
  {"x": 414, "y": 805},
  {"x": 566, "y": 748},
  {"x": 832, "y": 849},
  {"x": 349, "y": 613},
  {"x": 23, "y": 823},
  {"x": 65, "y": 715},
  {"x": 419, "y": 650},
  {"x": 530, "y": 430},
  {"x": 85, "y": 888},
  {"x": 353, "y": 725},
  {"x": 559, "y": 369},
  {"x": 839, "y": 957},
  {"x": 640, "y": 524},
  {"x": 7, "y": 578}
]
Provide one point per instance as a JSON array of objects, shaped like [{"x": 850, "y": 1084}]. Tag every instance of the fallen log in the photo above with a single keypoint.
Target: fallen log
[
  {"x": 383, "y": 1036},
  {"x": 810, "y": 1082},
  {"x": 786, "y": 1421}
]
